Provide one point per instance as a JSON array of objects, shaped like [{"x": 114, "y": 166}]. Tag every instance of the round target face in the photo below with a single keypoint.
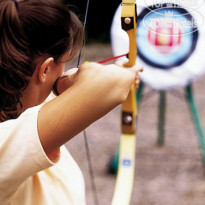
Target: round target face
[
  {"x": 170, "y": 42},
  {"x": 166, "y": 37}
]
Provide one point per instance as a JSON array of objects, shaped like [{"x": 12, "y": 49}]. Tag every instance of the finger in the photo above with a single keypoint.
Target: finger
[
  {"x": 141, "y": 69},
  {"x": 120, "y": 63},
  {"x": 137, "y": 76},
  {"x": 134, "y": 68},
  {"x": 136, "y": 83}
]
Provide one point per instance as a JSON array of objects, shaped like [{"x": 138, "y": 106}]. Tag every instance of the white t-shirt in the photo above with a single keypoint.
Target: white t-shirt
[{"x": 27, "y": 176}]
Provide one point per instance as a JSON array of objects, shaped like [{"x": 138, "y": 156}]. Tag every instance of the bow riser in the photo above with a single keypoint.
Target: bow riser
[
  {"x": 129, "y": 25},
  {"x": 128, "y": 22}
]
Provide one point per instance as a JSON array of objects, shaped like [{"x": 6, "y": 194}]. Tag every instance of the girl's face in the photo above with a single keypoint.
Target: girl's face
[
  {"x": 56, "y": 71},
  {"x": 60, "y": 66},
  {"x": 59, "y": 69}
]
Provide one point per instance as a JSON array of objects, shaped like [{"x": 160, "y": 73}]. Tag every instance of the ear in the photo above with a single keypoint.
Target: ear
[{"x": 44, "y": 69}]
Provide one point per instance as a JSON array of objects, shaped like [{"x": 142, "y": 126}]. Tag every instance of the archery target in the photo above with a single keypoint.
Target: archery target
[
  {"x": 170, "y": 40},
  {"x": 161, "y": 44}
]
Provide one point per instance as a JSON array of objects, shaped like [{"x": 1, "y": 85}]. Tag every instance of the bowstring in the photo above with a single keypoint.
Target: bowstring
[
  {"x": 84, "y": 26},
  {"x": 87, "y": 149}
]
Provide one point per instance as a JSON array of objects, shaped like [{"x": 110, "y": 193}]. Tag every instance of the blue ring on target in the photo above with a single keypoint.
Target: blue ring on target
[{"x": 167, "y": 36}]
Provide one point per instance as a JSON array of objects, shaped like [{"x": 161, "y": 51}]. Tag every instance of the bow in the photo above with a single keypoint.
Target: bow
[{"x": 126, "y": 167}]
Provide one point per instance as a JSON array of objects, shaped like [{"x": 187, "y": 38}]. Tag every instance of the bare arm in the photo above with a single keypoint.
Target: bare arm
[{"x": 95, "y": 91}]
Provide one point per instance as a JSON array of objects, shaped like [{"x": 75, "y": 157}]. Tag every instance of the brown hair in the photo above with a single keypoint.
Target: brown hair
[{"x": 30, "y": 29}]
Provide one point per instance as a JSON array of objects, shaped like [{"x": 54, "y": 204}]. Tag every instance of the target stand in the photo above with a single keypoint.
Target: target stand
[
  {"x": 189, "y": 97},
  {"x": 170, "y": 41}
]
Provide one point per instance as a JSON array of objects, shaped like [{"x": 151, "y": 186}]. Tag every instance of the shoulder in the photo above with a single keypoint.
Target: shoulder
[
  {"x": 20, "y": 146},
  {"x": 28, "y": 116}
]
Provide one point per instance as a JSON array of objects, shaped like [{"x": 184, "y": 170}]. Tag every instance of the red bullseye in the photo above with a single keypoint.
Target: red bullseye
[{"x": 165, "y": 37}]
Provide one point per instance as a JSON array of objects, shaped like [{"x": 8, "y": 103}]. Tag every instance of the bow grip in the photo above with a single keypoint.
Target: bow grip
[{"x": 128, "y": 23}]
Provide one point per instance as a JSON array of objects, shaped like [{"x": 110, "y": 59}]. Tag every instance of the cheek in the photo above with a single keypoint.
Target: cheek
[{"x": 62, "y": 68}]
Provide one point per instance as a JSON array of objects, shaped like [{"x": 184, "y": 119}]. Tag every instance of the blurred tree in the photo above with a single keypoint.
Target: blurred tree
[{"x": 99, "y": 19}]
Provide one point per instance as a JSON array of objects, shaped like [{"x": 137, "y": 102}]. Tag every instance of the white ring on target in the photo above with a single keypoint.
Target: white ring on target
[{"x": 159, "y": 79}]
